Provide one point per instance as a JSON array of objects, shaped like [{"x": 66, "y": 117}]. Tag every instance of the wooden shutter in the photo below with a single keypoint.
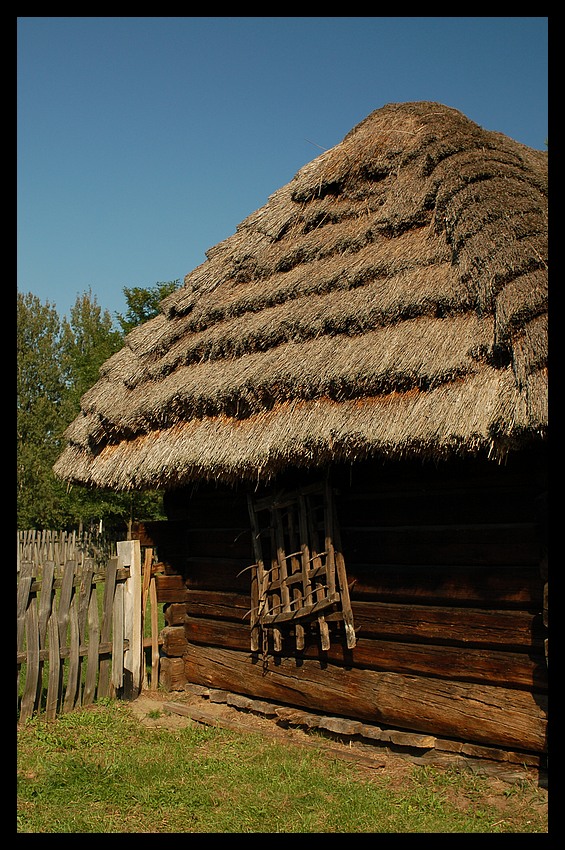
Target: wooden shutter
[{"x": 299, "y": 573}]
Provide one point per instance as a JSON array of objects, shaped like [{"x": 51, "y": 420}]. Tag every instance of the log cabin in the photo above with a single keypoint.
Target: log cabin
[{"x": 345, "y": 407}]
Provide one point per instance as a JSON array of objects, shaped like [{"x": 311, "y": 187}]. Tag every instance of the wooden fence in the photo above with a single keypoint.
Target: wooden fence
[
  {"x": 44, "y": 545},
  {"x": 80, "y": 630}
]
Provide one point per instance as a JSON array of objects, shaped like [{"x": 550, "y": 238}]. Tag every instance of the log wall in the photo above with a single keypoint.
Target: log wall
[{"x": 443, "y": 565}]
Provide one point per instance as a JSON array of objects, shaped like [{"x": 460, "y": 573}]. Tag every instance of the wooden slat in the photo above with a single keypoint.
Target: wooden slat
[
  {"x": 118, "y": 637},
  {"x": 46, "y": 600},
  {"x": 105, "y": 688},
  {"x": 272, "y": 599},
  {"x": 24, "y": 585},
  {"x": 72, "y": 691},
  {"x": 328, "y": 570},
  {"x": 54, "y": 667},
  {"x": 93, "y": 646},
  {"x": 65, "y": 601},
  {"x": 257, "y": 578},
  {"x": 32, "y": 666}
]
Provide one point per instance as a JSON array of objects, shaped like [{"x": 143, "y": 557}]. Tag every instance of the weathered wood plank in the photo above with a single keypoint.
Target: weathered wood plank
[
  {"x": 446, "y": 624},
  {"x": 93, "y": 649},
  {"x": 65, "y": 601},
  {"x": 472, "y": 626},
  {"x": 54, "y": 679},
  {"x": 104, "y": 675},
  {"x": 118, "y": 637},
  {"x": 471, "y": 712},
  {"x": 24, "y": 585},
  {"x": 174, "y": 640},
  {"x": 29, "y": 697},
  {"x": 129, "y": 553},
  {"x": 72, "y": 692}
]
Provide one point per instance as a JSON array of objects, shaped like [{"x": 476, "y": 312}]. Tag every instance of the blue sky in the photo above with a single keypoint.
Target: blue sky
[{"x": 144, "y": 141}]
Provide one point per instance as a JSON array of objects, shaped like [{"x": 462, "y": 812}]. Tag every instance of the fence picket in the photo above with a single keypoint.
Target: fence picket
[
  {"x": 54, "y": 667},
  {"x": 93, "y": 644},
  {"x": 104, "y": 683},
  {"x": 74, "y": 643},
  {"x": 32, "y": 669},
  {"x": 118, "y": 638}
]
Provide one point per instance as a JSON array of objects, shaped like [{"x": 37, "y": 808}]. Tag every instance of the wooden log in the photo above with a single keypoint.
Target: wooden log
[
  {"x": 472, "y": 626},
  {"x": 520, "y": 587},
  {"x": 509, "y": 669},
  {"x": 170, "y": 588},
  {"x": 172, "y": 675},
  {"x": 174, "y": 613},
  {"x": 174, "y": 641},
  {"x": 469, "y": 626},
  {"x": 471, "y": 712}
]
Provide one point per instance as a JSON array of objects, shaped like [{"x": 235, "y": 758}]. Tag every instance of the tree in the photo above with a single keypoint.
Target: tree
[
  {"x": 57, "y": 362},
  {"x": 41, "y": 391},
  {"x": 143, "y": 304},
  {"x": 88, "y": 339}
]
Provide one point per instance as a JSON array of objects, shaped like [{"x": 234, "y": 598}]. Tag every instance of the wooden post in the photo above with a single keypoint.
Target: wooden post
[
  {"x": 129, "y": 554},
  {"x": 154, "y": 635}
]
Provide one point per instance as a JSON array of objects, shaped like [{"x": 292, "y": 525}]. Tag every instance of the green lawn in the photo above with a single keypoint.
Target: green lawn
[{"x": 99, "y": 769}]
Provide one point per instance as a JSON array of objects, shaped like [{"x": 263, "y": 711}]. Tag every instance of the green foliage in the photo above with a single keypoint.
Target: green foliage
[
  {"x": 143, "y": 304},
  {"x": 58, "y": 360}
]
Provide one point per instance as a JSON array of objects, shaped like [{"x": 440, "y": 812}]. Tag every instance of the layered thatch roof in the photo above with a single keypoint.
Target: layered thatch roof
[{"x": 391, "y": 300}]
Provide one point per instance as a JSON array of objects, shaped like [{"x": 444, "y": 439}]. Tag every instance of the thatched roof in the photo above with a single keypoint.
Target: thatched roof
[{"x": 391, "y": 300}]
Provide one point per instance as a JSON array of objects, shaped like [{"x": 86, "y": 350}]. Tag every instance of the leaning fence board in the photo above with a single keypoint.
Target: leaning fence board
[
  {"x": 93, "y": 646},
  {"x": 73, "y": 680},
  {"x": 32, "y": 673},
  {"x": 54, "y": 665},
  {"x": 105, "y": 687}
]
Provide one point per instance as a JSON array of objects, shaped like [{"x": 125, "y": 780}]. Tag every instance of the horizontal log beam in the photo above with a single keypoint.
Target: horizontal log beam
[
  {"x": 481, "y": 713},
  {"x": 508, "y": 669}
]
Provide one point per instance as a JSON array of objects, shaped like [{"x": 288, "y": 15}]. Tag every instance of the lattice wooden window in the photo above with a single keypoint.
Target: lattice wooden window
[{"x": 299, "y": 576}]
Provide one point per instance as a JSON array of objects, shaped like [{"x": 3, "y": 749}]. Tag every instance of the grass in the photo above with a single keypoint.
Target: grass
[{"x": 99, "y": 769}]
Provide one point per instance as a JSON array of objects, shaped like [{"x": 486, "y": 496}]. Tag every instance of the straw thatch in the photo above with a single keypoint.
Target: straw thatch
[{"x": 391, "y": 300}]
